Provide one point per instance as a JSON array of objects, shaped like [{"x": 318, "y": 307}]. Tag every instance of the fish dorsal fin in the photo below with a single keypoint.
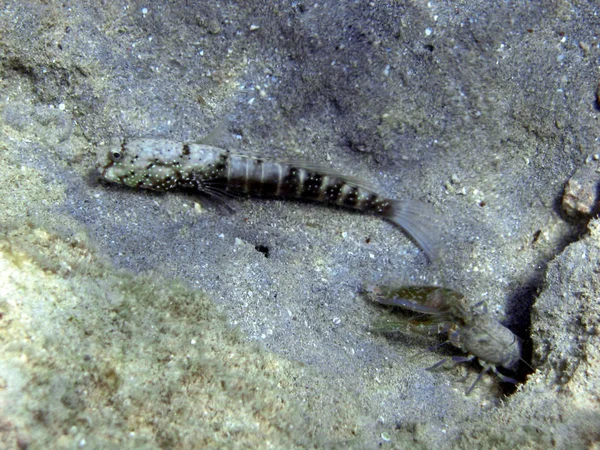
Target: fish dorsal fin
[{"x": 330, "y": 172}]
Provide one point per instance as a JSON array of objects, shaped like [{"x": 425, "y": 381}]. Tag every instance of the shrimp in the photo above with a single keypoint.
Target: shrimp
[{"x": 469, "y": 328}]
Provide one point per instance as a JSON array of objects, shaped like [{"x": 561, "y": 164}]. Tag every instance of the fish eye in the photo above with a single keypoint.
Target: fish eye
[{"x": 116, "y": 156}]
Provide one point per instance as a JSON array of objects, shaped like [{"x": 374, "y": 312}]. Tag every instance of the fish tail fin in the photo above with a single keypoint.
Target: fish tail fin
[{"x": 418, "y": 220}]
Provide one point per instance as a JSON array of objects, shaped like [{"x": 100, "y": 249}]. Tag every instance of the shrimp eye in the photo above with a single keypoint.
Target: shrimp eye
[{"x": 116, "y": 156}]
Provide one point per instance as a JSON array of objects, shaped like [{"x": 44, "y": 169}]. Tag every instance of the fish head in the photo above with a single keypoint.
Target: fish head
[{"x": 140, "y": 163}]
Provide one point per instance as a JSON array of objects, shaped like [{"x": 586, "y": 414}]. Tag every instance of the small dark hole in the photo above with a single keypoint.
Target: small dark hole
[{"x": 263, "y": 249}]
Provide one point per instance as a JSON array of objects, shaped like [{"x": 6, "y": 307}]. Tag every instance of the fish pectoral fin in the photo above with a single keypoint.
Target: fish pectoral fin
[
  {"x": 214, "y": 193},
  {"x": 223, "y": 205}
]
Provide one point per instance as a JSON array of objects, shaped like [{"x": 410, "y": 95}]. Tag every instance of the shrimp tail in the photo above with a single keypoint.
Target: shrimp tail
[{"x": 418, "y": 221}]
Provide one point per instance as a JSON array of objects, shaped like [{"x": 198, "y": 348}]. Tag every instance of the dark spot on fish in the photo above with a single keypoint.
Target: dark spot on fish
[
  {"x": 367, "y": 203},
  {"x": 254, "y": 184},
  {"x": 236, "y": 184},
  {"x": 221, "y": 166},
  {"x": 381, "y": 207},
  {"x": 333, "y": 191},
  {"x": 186, "y": 149},
  {"x": 289, "y": 184},
  {"x": 351, "y": 198},
  {"x": 270, "y": 178},
  {"x": 312, "y": 185}
]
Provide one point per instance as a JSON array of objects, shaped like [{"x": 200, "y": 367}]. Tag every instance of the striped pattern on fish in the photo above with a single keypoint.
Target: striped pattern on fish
[{"x": 161, "y": 165}]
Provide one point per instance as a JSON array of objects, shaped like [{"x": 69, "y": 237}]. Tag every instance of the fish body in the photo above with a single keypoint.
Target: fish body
[{"x": 161, "y": 165}]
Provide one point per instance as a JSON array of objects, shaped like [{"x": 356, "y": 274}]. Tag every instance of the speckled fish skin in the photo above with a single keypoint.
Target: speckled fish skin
[{"x": 161, "y": 165}]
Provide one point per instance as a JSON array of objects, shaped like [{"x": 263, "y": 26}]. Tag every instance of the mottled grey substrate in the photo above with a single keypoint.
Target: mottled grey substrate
[{"x": 483, "y": 111}]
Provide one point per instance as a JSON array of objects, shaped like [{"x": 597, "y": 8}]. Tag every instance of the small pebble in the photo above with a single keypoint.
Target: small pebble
[{"x": 581, "y": 197}]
